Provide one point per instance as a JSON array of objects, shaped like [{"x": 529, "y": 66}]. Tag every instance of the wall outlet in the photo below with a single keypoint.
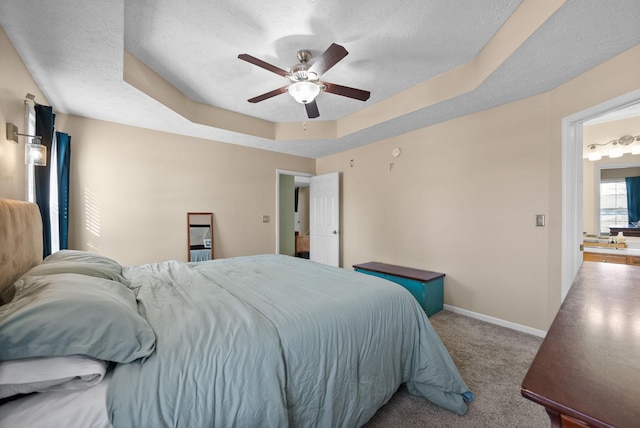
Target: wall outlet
[{"x": 265, "y": 219}]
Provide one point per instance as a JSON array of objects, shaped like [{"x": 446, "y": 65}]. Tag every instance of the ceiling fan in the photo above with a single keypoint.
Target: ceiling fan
[{"x": 305, "y": 79}]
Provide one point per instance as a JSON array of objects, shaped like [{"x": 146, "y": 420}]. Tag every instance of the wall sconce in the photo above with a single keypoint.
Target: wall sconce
[
  {"x": 618, "y": 148},
  {"x": 34, "y": 153}
]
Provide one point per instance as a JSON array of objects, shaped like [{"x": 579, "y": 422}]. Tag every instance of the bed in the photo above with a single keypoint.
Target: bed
[{"x": 265, "y": 340}]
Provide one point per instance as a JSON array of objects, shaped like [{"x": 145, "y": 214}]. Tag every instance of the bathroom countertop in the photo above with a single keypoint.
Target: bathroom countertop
[{"x": 619, "y": 251}]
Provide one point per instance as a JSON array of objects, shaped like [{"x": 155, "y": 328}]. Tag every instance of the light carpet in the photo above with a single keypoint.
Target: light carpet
[{"x": 493, "y": 361}]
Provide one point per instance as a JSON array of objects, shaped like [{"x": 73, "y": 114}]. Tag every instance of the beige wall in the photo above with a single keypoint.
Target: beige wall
[
  {"x": 286, "y": 213},
  {"x": 463, "y": 195},
  {"x": 303, "y": 210},
  {"x": 131, "y": 189},
  {"x": 461, "y": 200},
  {"x": 15, "y": 83}
]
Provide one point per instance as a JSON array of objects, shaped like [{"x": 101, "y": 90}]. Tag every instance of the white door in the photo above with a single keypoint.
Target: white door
[{"x": 324, "y": 219}]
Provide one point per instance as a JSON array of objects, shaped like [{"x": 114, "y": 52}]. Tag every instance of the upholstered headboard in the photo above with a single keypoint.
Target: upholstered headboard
[{"x": 20, "y": 240}]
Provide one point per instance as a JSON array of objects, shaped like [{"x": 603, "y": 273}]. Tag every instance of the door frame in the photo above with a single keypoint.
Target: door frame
[
  {"x": 572, "y": 209},
  {"x": 280, "y": 172}
]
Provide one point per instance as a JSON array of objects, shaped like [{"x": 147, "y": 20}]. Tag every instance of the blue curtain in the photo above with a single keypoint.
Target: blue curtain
[
  {"x": 44, "y": 128},
  {"x": 64, "y": 163},
  {"x": 45, "y": 120},
  {"x": 633, "y": 198}
]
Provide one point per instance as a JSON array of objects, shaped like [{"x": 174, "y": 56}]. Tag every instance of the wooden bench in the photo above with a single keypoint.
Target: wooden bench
[{"x": 425, "y": 286}]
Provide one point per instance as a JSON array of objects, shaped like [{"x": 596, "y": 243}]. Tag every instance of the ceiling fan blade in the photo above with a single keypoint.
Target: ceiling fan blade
[
  {"x": 328, "y": 59},
  {"x": 312, "y": 109},
  {"x": 268, "y": 94},
  {"x": 260, "y": 63},
  {"x": 345, "y": 91}
]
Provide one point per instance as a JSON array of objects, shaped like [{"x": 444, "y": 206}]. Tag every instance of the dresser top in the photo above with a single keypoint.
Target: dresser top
[{"x": 588, "y": 365}]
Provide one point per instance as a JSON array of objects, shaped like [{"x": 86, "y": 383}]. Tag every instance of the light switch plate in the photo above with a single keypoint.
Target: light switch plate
[
  {"x": 539, "y": 220},
  {"x": 265, "y": 219}
]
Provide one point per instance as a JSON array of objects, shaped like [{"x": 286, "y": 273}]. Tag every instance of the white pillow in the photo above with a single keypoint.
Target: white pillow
[
  {"x": 42, "y": 374},
  {"x": 81, "y": 408}
]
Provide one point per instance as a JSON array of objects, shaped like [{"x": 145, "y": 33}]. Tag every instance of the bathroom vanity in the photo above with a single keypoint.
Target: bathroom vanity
[{"x": 629, "y": 255}]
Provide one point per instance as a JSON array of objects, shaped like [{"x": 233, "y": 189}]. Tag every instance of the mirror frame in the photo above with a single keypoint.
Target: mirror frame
[{"x": 190, "y": 223}]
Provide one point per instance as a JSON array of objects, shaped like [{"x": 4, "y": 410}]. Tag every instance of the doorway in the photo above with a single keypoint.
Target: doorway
[
  {"x": 572, "y": 201},
  {"x": 292, "y": 213},
  {"x": 320, "y": 241}
]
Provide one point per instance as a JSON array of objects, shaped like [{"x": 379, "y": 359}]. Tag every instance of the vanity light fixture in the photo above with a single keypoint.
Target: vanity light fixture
[
  {"x": 594, "y": 156},
  {"x": 616, "y": 152},
  {"x": 34, "y": 152},
  {"x": 618, "y": 147}
]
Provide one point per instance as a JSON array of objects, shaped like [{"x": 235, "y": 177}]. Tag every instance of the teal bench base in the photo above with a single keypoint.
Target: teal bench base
[{"x": 425, "y": 286}]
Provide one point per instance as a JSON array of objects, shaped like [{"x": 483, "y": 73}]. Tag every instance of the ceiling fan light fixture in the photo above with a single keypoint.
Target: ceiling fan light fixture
[
  {"x": 305, "y": 79},
  {"x": 304, "y": 92}
]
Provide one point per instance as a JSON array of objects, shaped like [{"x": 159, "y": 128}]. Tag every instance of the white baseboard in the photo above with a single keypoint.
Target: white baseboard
[{"x": 497, "y": 321}]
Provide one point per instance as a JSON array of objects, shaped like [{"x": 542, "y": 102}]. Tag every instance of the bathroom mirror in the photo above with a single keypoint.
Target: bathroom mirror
[{"x": 200, "y": 236}]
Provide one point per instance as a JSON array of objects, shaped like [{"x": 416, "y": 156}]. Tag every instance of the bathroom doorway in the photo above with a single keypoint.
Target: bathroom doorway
[{"x": 292, "y": 234}]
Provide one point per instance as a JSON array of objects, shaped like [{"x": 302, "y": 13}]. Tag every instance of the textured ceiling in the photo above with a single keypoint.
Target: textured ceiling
[{"x": 74, "y": 50}]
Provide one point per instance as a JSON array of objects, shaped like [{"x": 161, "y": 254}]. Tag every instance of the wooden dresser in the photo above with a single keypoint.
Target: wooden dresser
[{"x": 587, "y": 370}]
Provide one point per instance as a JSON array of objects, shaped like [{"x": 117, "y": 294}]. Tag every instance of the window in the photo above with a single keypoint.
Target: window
[
  {"x": 30, "y": 120},
  {"x": 613, "y": 204}
]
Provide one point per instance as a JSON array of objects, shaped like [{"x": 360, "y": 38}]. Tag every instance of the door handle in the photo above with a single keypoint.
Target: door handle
[{"x": 335, "y": 232}]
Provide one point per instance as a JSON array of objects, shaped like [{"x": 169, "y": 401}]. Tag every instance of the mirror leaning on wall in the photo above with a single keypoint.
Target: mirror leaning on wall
[{"x": 200, "y": 236}]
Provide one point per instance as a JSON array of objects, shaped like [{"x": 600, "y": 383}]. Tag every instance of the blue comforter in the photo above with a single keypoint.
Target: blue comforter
[{"x": 276, "y": 341}]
